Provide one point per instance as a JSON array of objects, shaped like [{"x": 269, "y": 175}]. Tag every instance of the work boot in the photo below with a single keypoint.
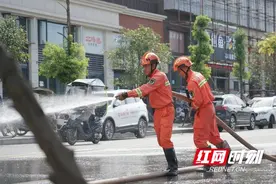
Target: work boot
[
  {"x": 172, "y": 162},
  {"x": 224, "y": 145}
]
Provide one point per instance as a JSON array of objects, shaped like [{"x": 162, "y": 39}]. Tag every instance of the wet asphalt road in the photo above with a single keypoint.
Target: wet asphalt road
[
  {"x": 109, "y": 159},
  {"x": 102, "y": 168}
]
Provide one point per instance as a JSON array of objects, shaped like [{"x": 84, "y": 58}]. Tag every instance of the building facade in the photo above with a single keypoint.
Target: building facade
[
  {"x": 95, "y": 24},
  {"x": 133, "y": 21},
  {"x": 256, "y": 17}
]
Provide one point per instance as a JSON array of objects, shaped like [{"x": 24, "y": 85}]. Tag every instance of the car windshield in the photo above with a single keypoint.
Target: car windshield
[
  {"x": 218, "y": 101},
  {"x": 263, "y": 103}
]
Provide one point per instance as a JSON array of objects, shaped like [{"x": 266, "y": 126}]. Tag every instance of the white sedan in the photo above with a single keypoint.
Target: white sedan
[
  {"x": 130, "y": 115},
  {"x": 265, "y": 110}
]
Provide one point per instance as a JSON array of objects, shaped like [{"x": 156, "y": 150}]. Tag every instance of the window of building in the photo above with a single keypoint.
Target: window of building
[
  {"x": 176, "y": 41},
  {"x": 53, "y": 32},
  {"x": 42, "y": 34},
  {"x": 236, "y": 85}
]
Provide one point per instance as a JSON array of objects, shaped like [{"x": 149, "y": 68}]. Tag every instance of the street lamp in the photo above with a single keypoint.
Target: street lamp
[{"x": 62, "y": 35}]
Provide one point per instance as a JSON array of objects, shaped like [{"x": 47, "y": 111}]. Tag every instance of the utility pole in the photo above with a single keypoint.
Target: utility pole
[
  {"x": 201, "y": 7},
  {"x": 68, "y": 26}
]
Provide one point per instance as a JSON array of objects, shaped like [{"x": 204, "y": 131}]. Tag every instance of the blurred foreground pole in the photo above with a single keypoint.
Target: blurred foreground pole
[{"x": 59, "y": 157}]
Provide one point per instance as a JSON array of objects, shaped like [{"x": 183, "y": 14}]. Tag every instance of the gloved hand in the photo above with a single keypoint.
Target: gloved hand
[{"x": 122, "y": 96}]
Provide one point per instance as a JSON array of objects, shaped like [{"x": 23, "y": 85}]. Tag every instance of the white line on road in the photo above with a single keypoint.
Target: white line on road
[
  {"x": 268, "y": 147},
  {"x": 176, "y": 148}
]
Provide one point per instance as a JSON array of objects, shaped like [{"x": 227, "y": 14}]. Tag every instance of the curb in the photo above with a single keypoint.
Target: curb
[
  {"x": 31, "y": 140},
  {"x": 14, "y": 141}
]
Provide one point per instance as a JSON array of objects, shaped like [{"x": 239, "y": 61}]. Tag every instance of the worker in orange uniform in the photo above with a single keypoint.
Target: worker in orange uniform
[
  {"x": 160, "y": 97},
  {"x": 205, "y": 126}
]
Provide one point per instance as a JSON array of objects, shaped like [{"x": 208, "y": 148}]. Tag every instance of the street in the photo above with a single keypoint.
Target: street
[{"x": 127, "y": 156}]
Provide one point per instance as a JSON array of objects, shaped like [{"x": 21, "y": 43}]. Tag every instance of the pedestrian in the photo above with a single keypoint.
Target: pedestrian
[
  {"x": 159, "y": 91},
  {"x": 205, "y": 126}
]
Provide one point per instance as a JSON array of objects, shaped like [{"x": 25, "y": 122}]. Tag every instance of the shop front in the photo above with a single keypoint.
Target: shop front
[
  {"x": 222, "y": 62},
  {"x": 93, "y": 42}
]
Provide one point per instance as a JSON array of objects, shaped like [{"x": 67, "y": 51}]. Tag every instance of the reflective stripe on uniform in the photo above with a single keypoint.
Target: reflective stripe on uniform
[
  {"x": 139, "y": 92},
  {"x": 202, "y": 83},
  {"x": 167, "y": 83}
]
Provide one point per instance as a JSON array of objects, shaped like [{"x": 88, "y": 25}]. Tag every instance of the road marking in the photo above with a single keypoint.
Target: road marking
[
  {"x": 122, "y": 152},
  {"x": 191, "y": 148}
]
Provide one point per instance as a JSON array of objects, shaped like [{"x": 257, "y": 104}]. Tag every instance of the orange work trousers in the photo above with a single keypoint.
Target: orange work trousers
[
  {"x": 205, "y": 127},
  {"x": 163, "y": 123}
]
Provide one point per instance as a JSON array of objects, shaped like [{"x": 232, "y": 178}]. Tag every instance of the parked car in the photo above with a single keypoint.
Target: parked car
[
  {"x": 233, "y": 111},
  {"x": 254, "y": 100},
  {"x": 84, "y": 86},
  {"x": 265, "y": 111},
  {"x": 129, "y": 115}
]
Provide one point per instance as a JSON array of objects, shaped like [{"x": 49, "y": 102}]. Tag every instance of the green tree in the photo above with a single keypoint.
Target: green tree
[
  {"x": 58, "y": 64},
  {"x": 202, "y": 51},
  {"x": 131, "y": 46},
  {"x": 240, "y": 54},
  {"x": 266, "y": 49},
  {"x": 14, "y": 38}
]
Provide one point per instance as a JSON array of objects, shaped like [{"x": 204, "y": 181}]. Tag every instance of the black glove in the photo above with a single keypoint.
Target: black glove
[{"x": 122, "y": 96}]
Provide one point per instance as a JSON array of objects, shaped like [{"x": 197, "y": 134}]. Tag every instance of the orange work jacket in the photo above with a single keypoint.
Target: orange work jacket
[
  {"x": 200, "y": 90},
  {"x": 158, "y": 88}
]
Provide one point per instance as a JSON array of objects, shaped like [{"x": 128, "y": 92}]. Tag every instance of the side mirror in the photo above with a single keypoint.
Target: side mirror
[
  {"x": 105, "y": 88},
  {"x": 247, "y": 104}
]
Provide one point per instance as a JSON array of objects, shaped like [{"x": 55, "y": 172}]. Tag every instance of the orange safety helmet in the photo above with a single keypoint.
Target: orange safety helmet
[
  {"x": 182, "y": 60},
  {"x": 149, "y": 58}
]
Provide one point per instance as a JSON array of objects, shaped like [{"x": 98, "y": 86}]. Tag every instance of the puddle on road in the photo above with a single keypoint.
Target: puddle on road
[{"x": 102, "y": 168}]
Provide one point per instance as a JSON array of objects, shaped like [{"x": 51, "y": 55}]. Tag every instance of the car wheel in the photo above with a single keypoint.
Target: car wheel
[
  {"x": 96, "y": 141},
  {"x": 108, "y": 129},
  {"x": 252, "y": 123},
  {"x": 220, "y": 129},
  {"x": 260, "y": 126},
  {"x": 21, "y": 132},
  {"x": 271, "y": 122},
  {"x": 9, "y": 130},
  {"x": 72, "y": 136},
  {"x": 232, "y": 123},
  {"x": 142, "y": 128}
]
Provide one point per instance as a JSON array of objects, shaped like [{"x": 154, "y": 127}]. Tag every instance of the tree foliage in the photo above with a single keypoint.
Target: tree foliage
[
  {"x": 240, "y": 53},
  {"x": 58, "y": 64},
  {"x": 14, "y": 38},
  {"x": 266, "y": 53},
  {"x": 202, "y": 51},
  {"x": 268, "y": 45},
  {"x": 131, "y": 46}
]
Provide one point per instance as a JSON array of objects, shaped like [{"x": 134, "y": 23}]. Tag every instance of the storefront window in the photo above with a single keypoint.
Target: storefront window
[
  {"x": 42, "y": 32},
  {"x": 53, "y": 32},
  {"x": 176, "y": 41}
]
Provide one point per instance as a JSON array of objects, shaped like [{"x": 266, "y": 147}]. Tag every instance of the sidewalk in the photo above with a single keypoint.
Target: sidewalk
[{"x": 29, "y": 138}]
